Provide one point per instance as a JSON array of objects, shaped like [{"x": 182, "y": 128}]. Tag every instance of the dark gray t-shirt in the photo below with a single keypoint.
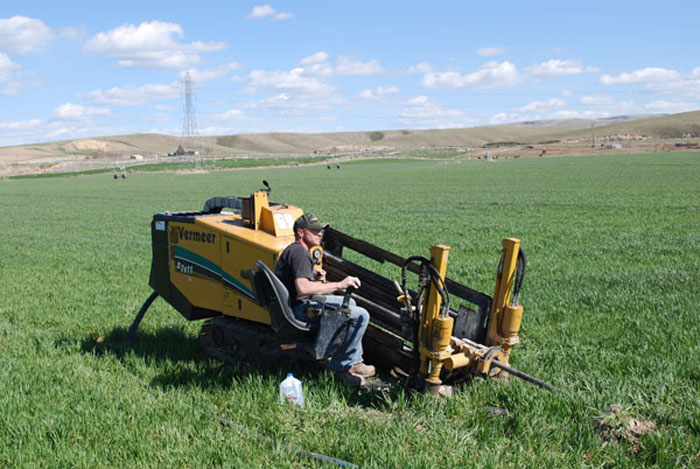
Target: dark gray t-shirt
[{"x": 295, "y": 262}]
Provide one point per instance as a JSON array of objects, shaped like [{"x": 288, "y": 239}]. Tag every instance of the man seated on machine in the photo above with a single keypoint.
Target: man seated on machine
[{"x": 296, "y": 270}]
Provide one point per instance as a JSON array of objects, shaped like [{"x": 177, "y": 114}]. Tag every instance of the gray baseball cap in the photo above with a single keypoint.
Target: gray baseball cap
[{"x": 308, "y": 221}]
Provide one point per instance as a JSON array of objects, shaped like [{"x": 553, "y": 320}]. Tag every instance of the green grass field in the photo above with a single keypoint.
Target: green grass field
[{"x": 610, "y": 300}]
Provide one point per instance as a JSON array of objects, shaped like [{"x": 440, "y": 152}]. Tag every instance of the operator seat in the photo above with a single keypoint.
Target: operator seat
[{"x": 273, "y": 295}]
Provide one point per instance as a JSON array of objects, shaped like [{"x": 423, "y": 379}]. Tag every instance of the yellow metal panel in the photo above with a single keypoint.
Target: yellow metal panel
[
  {"x": 431, "y": 310},
  {"x": 194, "y": 255},
  {"x": 238, "y": 256},
  {"x": 278, "y": 220},
  {"x": 241, "y": 247},
  {"x": 260, "y": 200},
  {"x": 209, "y": 256},
  {"x": 233, "y": 226},
  {"x": 501, "y": 293}
]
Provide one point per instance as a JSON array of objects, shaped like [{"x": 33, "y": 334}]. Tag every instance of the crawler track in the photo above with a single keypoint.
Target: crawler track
[{"x": 237, "y": 341}]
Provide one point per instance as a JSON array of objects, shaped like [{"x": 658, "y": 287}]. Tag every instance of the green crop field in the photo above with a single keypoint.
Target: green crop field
[{"x": 611, "y": 316}]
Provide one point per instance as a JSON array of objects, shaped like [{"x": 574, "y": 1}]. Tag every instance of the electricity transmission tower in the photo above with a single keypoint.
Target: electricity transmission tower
[{"x": 189, "y": 123}]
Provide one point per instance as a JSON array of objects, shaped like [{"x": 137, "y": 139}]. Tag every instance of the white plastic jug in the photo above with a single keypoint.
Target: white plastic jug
[{"x": 291, "y": 392}]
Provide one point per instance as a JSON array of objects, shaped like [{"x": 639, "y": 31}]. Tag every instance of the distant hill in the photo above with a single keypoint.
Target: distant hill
[
  {"x": 674, "y": 126},
  {"x": 575, "y": 123}
]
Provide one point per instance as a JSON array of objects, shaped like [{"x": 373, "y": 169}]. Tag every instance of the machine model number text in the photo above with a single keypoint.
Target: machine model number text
[{"x": 184, "y": 268}]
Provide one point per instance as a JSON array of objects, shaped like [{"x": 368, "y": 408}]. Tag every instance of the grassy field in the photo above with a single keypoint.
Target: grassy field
[
  {"x": 610, "y": 300},
  {"x": 190, "y": 167}
]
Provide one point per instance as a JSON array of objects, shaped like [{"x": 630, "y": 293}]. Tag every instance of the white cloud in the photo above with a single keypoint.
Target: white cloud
[
  {"x": 351, "y": 66},
  {"x": 500, "y": 74},
  {"x": 7, "y": 67},
  {"x": 71, "y": 111},
  {"x": 150, "y": 45},
  {"x": 490, "y": 51},
  {"x": 299, "y": 104},
  {"x": 20, "y": 125},
  {"x": 557, "y": 68},
  {"x": 200, "y": 76},
  {"x": 491, "y": 75},
  {"x": 609, "y": 106},
  {"x": 21, "y": 132},
  {"x": 264, "y": 11},
  {"x": 304, "y": 89},
  {"x": 8, "y": 72},
  {"x": 261, "y": 12},
  {"x": 421, "y": 112},
  {"x": 671, "y": 106},
  {"x": 158, "y": 118},
  {"x": 500, "y": 118},
  {"x": 316, "y": 58},
  {"x": 217, "y": 130},
  {"x": 659, "y": 80},
  {"x": 378, "y": 93},
  {"x": 82, "y": 128},
  {"x": 131, "y": 95},
  {"x": 317, "y": 64},
  {"x": 597, "y": 100},
  {"x": 13, "y": 88},
  {"x": 541, "y": 114},
  {"x": 588, "y": 114},
  {"x": 587, "y": 107},
  {"x": 21, "y": 35},
  {"x": 418, "y": 101},
  {"x": 306, "y": 80},
  {"x": 72, "y": 32},
  {"x": 295, "y": 80},
  {"x": 423, "y": 67},
  {"x": 543, "y": 105},
  {"x": 232, "y": 115},
  {"x": 36, "y": 130},
  {"x": 283, "y": 16},
  {"x": 645, "y": 75}
]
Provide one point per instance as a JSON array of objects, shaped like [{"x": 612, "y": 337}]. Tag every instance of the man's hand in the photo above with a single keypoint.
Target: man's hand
[
  {"x": 320, "y": 275},
  {"x": 349, "y": 281}
]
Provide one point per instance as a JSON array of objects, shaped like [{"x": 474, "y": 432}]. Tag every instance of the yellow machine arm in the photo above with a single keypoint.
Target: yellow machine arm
[{"x": 437, "y": 346}]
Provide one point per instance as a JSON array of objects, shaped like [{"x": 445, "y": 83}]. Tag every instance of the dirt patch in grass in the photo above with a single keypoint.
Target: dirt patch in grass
[{"x": 614, "y": 426}]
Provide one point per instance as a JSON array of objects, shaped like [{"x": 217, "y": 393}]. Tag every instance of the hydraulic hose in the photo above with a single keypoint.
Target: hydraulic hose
[
  {"x": 521, "y": 265},
  {"x": 434, "y": 277}
]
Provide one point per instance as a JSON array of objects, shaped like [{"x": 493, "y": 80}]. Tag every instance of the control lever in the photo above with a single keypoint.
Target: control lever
[{"x": 346, "y": 298}]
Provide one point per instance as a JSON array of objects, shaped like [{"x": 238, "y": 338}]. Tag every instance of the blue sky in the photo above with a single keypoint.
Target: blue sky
[{"x": 78, "y": 69}]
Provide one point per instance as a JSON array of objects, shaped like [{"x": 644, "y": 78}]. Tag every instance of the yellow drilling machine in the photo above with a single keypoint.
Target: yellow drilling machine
[{"x": 218, "y": 264}]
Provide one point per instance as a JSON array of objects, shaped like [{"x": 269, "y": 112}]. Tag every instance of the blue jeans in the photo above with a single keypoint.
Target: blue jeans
[{"x": 351, "y": 351}]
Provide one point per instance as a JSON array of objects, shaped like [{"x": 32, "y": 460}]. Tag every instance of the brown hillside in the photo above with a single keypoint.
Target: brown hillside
[{"x": 666, "y": 127}]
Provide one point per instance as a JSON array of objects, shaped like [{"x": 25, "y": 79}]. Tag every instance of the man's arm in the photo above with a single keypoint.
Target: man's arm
[{"x": 308, "y": 287}]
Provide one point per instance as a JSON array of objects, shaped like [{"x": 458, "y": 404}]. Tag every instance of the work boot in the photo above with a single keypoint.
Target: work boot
[
  {"x": 353, "y": 380},
  {"x": 360, "y": 369}
]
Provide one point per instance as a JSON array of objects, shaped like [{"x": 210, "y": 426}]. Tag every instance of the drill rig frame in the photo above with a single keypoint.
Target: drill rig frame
[{"x": 218, "y": 265}]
